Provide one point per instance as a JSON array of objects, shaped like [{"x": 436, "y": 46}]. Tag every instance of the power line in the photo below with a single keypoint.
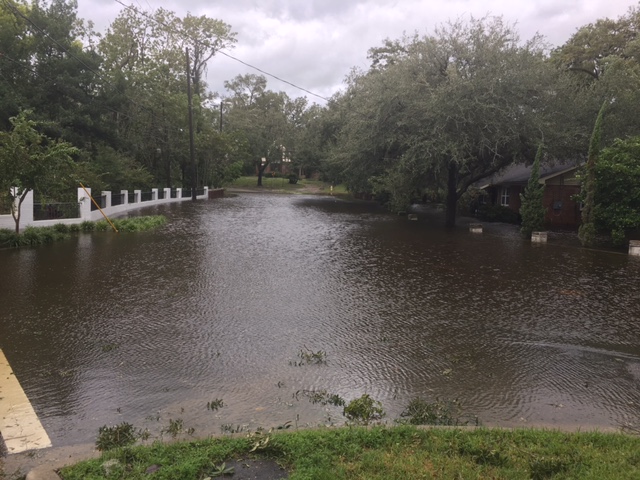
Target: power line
[{"x": 175, "y": 30}]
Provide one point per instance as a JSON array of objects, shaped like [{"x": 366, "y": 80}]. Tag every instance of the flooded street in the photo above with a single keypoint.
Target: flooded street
[{"x": 217, "y": 304}]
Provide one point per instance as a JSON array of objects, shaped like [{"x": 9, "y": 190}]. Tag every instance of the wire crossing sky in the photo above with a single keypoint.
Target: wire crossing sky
[{"x": 314, "y": 44}]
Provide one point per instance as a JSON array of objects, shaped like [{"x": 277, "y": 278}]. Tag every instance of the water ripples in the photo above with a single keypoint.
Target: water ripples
[{"x": 219, "y": 303}]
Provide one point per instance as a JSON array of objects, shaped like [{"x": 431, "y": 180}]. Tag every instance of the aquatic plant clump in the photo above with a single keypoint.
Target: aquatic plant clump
[{"x": 34, "y": 236}]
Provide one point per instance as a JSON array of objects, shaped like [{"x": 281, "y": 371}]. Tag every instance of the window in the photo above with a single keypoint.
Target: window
[{"x": 504, "y": 197}]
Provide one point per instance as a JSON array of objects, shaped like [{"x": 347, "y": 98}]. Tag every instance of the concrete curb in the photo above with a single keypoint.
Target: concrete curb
[
  {"x": 42, "y": 473},
  {"x": 42, "y": 464}
]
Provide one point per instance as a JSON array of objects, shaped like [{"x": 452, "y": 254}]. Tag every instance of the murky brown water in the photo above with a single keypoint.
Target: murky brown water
[{"x": 146, "y": 327}]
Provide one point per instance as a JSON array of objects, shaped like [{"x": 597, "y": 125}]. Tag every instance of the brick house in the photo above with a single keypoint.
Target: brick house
[{"x": 560, "y": 185}]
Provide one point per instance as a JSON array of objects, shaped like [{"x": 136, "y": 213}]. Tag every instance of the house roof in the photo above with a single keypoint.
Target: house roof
[{"x": 518, "y": 174}]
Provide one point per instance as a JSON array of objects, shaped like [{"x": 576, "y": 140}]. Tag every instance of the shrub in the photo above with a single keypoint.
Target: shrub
[
  {"x": 61, "y": 228},
  {"x": 293, "y": 179},
  {"x": 87, "y": 226},
  {"x": 9, "y": 238},
  {"x": 364, "y": 410},
  {"x": 102, "y": 226},
  {"x": 115, "y": 436},
  {"x": 440, "y": 412},
  {"x": 498, "y": 213}
]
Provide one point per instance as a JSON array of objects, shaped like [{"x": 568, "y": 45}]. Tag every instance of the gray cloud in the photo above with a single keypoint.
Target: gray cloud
[{"x": 315, "y": 43}]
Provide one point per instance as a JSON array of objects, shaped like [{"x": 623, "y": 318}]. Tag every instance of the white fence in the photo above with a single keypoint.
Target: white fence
[{"x": 106, "y": 199}]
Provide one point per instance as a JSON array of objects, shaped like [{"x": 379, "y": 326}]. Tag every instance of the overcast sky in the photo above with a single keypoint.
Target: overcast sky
[{"x": 315, "y": 43}]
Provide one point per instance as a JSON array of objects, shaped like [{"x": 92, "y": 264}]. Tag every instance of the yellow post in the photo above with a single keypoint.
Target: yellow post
[{"x": 98, "y": 206}]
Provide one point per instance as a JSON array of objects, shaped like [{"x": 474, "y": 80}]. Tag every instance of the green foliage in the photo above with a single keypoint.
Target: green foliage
[
  {"x": 214, "y": 405},
  {"x": 440, "y": 412},
  {"x": 115, "y": 436},
  {"x": 424, "y": 116},
  {"x": 9, "y": 238},
  {"x": 401, "y": 452},
  {"x": 532, "y": 209},
  {"x": 364, "y": 410},
  {"x": 309, "y": 357},
  {"x": 219, "y": 471},
  {"x": 617, "y": 196},
  {"x": 497, "y": 213},
  {"x": 321, "y": 397},
  {"x": 30, "y": 160},
  {"x": 115, "y": 171},
  {"x": 139, "y": 224},
  {"x": 587, "y": 230},
  {"x": 102, "y": 226},
  {"x": 87, "y": 226},
  {"x": 33, "y": 236}
]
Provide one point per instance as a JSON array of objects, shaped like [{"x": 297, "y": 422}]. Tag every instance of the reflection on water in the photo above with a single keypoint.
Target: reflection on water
[{"x": 218, "y": 303}]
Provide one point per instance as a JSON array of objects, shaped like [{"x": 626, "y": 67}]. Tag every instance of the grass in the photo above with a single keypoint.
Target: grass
[
  {"x": 282, "y": 184},
  {"x": 34, "y": 236},
  {"x": 389, "y": 453}
]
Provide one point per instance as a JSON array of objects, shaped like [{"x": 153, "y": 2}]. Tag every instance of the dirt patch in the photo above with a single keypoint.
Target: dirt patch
[{"x": 256, "y": 469}]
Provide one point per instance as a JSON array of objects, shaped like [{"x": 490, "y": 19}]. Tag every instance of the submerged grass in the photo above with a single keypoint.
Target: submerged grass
[
  {"x": 389, "y": 453},
  {"x": 280, "y": 183},
  {"x": 34, "y": 236}
]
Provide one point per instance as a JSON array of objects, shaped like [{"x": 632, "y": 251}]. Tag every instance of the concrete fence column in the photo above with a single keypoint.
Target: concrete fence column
[
  {"x": 154, "y": 194},
  {"x": 125, "y": 196},
  {"x": 26, "y": 209},
  {"x": 178, "y": 193},
  {"x": 107, "y": 199},
  {"x": 167, "y": 194},
  {"x": 634, "y": 248},
  {"x": 539, "y": 237},
  {"x": 138, "y": 195},
  {"x": 84, "y": 204},
  {"x": 206, "y": 193}
]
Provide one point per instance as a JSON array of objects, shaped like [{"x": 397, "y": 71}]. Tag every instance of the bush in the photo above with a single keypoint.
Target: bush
[
  {"x": 102, "y": 226},
  {"x": 87, "y": 226},
  {"x": 440, "y": 412},
  {"x": 61, "y": 228},
  {"x": 498, "y": 213},
  {"x": 293, "y": 179},
  {"x": 115, "y": 436},
  {"x": 364, "y": 410},
  {"x": 9, "y": 238}
]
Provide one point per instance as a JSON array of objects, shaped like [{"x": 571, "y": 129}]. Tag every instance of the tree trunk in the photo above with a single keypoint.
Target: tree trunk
[
  {"x": 261, "y": 170},
  {"x": 15, "y": 211},
  {"x": 452, "y": 196}
]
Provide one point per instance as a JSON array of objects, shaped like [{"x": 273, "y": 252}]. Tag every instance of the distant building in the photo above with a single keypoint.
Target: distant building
[{"x": 560, "y": 185}]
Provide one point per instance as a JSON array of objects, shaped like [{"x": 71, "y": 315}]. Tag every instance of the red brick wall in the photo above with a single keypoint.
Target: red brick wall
[{"x": 569, "y": 214}]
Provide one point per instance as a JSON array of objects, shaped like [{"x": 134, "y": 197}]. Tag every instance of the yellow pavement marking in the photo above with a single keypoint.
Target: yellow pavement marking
[{"x": 19, "y": 424}]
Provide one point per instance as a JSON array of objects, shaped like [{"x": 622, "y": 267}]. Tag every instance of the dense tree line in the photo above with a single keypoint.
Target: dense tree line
[{"x": 431, "y": 116}]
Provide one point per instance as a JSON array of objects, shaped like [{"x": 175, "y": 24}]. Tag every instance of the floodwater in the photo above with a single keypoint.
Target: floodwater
[{"x": 218, "y": 304}]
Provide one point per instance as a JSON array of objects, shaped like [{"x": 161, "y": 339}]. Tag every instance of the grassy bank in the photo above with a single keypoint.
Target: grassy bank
[
  {"x": 282, "y": 184},
  {"x": 34, "y": 236},
  {"x": 402, "y": 452}
]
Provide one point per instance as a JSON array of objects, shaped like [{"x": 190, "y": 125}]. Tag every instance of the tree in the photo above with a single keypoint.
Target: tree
[
  {"x": 144, "y": 61},
  {"x": 268, "y": 120},
  {"x": 446, "y": 110},
  {"x": 603, "y": 59},
  {"x": 617, "y": 195},
  {"x": 30, "y": 160},
  {"x": 532, "y": 209},
  {"x": 587, "y": 230}
]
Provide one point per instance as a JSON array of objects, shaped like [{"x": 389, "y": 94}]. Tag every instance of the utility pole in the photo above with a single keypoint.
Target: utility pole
[
  {"x": 192, "y": 150},
  {"x": 221, "y": 116}
]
